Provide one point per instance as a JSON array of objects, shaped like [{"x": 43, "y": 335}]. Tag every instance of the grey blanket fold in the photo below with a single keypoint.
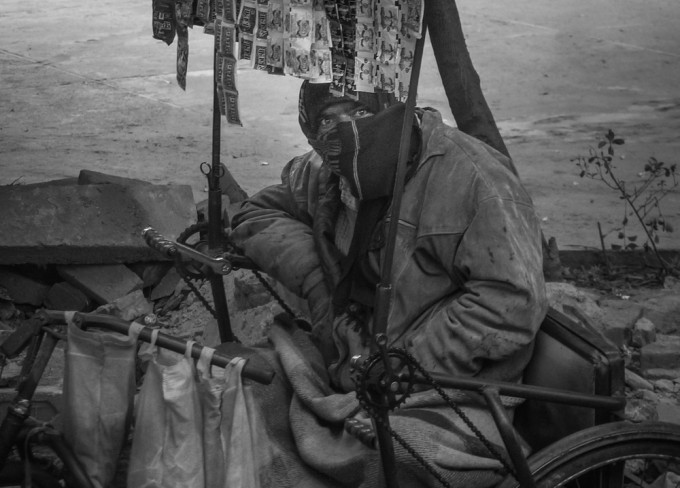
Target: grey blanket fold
[{"x": 304, "y": 418}]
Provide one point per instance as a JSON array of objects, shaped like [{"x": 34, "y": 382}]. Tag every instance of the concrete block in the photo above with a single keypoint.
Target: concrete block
[
  {"x": 637, "y": 382},
  {"x": 23, "y": 288},
  {"x": 664, "y": 311},
  {"x": 151, "y": 273},
  {"x": 662, "y": 354},
  {"x": 103, "y": 283},
  {"x": 59, "y": 182},
  {"x": 638, "y": 410},
  {"x": 87, "y": 177},
  {"x": 128, "y": 307},
  {"x": 654, "y": 374},
  {"x": 668, "y": 411},
  {"x": 563, "y": 296},
  {"x": 64, "y": 296},
  {"x": 664, "y": 385},
  {"x": 644, "y": 332},
  {"x": 167, "y": 285},
  {"x": 90, "y": 224}
]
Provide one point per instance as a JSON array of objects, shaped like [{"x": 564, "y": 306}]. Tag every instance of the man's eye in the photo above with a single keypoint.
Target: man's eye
[
  {"x": 361, "y": 112},
  {"x": 325, "y": 122}
]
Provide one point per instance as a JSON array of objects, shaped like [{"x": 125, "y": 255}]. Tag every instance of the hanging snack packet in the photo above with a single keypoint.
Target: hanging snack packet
[
  {"x": 225, "y": 38},
  {"x": 226, "y": 73},
  {"x": 163, "y": 20},
  {"x": 183, "y": 18},
  {"x": 202, "y": 14}
]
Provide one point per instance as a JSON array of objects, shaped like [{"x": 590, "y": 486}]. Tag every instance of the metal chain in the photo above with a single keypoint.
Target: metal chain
[
  {"x": 421, "y": 460},
  {"x": 373, "y": 412},
  {"x": 200, "y": 297},
  {"x": 262, "y": 280},
  {"x": 273, "y": 292},
  {"x": 487, "y": 443}
]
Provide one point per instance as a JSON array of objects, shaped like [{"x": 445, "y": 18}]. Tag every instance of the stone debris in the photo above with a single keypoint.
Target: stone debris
[
  {"x": 651, "y": 353},
  {"x": 104, "y": 283},
  {"x": 89, "y": 224},
  {"x": 65, "y": 296},
  {"x": 77, "y": 266}
]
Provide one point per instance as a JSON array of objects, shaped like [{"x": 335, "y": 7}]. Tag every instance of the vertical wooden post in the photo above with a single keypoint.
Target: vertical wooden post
[{"x": 461, "y": 81}]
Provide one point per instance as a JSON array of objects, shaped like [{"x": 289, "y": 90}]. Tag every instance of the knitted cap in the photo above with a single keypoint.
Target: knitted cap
[{"x": 315, "y": 97}]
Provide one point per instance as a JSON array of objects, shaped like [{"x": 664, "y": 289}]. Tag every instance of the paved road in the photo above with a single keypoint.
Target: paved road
[{"x": 83, "y": 85}]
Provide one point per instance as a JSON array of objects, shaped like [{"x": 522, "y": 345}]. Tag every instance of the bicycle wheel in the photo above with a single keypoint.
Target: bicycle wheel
[{"x": 619, "y": 454}]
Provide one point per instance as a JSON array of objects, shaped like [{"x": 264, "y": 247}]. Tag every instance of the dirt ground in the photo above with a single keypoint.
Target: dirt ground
[{"x": 84, "y": 86}]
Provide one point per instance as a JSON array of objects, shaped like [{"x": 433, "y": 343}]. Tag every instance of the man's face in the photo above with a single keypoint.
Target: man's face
[{"x": 340, "y": 112}]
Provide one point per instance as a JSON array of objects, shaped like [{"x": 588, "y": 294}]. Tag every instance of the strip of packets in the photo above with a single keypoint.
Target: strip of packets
[{"x": 356, "y": 45}]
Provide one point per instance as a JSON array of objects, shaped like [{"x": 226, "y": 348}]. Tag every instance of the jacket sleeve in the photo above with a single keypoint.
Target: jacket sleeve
[
  {"x": 495, "y": 312},
  {"x": 274, "y": 229}
]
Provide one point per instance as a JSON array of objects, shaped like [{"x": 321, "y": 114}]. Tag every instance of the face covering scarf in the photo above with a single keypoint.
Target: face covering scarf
[{"x": 365, "y": 151}]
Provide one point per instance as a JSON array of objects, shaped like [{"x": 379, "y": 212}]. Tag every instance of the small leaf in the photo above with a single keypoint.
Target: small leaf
[
  {"x": 583, "y": 173},
  {"x": 632, "y": 238},
  {"x": 610, "y": 150},
  {"x": 601, "y": 144},
  {"x": 631, "y": 246},
  {"x": 618, "y": 141},
  {"x": 616, "y": 247},
  {"x": 621, "y": 235},
  {"x": 625, "y": 221}
]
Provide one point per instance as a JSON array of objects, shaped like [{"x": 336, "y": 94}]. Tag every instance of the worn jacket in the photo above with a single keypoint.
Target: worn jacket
[{"x": 468, "y": 293}]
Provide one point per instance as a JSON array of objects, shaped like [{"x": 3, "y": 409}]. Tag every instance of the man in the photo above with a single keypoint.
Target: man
[{"x": 467, "y": 285}]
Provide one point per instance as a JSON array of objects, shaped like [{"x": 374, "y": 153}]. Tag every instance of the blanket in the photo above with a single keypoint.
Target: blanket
[{"x": 309, "y": 447}]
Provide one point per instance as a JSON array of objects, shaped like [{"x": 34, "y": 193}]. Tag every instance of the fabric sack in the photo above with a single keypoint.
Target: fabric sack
[
  {"x": 98, "y": 396},
  {"x": 167, "y": 445}
]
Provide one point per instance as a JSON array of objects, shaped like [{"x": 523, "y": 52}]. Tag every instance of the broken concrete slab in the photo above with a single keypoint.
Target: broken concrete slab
[
  {"x": 89, "y": 224},
  {"x": 103, "y": 283},
  {"x": 23, "y": 288},
  {"x": 65, "y": 296},
  {"x": 151, "y": 273},
  {"x": 129, "y": 307},
  {"x": 662, "y": 354},
  {"x": 166, "y": 286},
  {"x": 87, "y": 177},
  {"x": 59, "y": 182}
]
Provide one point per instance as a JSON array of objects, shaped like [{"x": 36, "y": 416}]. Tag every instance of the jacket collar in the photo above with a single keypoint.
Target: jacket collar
[{"x": 430, "y": 121}]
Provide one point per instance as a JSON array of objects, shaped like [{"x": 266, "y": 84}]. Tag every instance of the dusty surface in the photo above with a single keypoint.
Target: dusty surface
[{"x": 84, "y": 86}]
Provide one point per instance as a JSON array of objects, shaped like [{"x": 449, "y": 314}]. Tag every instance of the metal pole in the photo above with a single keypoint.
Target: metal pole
[
  {"x": 215, "y": 224},
  {"x": 384, "y": 288}
]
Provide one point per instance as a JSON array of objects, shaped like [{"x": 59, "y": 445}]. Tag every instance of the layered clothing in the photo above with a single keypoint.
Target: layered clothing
[{"x": 467, "y": 294}]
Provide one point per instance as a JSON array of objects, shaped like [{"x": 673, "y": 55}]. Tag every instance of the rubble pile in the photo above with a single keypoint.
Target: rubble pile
[
  {"x": 75, "y": 244},
  {"x": 645, "y": 325}
]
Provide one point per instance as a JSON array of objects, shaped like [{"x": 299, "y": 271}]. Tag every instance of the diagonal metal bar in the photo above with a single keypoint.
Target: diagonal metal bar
[
  {"x": 384, "y": 288},
  {"x": 383, "y": 295}
]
